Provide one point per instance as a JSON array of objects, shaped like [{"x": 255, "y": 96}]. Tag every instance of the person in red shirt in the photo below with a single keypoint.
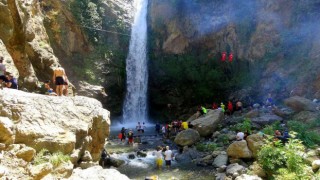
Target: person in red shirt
[
  {"x": 230, "y": 57},
  {"x": 230, "y": 108},
  {"x": 214, "y": 105},
  {"x": 223, "y": 56}
]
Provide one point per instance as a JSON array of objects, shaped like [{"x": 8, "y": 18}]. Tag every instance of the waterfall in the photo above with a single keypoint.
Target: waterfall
[{"x": 135, "y": 104}]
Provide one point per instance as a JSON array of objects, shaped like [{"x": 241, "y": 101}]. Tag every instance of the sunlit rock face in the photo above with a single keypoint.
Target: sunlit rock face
[{"x": 66, "y": 124}]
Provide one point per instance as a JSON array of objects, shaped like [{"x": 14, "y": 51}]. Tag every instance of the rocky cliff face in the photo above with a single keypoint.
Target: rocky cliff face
[
  {"x": 272, "y": 42},
  {"x": 88, "y": 38},
  {"x": 24, "y": 37}
]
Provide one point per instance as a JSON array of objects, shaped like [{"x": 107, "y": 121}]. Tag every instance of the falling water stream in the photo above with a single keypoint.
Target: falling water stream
[{"x": 135, "y": 104}]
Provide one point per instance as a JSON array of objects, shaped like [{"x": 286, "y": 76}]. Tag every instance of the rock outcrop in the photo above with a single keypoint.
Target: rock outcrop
[
  {"x": 208, "y": 123},
  {"x": 239, "y": 149},
  {"x": 187, "y": 137},
  {"x": 299, "y": 104},
  {"x": 255, "y": 141},
  {"x": 62, "y": 124}
]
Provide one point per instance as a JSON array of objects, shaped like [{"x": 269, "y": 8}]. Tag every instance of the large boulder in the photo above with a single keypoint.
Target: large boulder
[
  {"x": 97, "y": 172},
  {"x": 239, "y": 149},
  {"x": 207, "y": 124},
  {"x": 187, "y": 137},
  {"x": 299, "y": 104},
  {"x": 255, "y": 141},
  {"x": 306, "y": 116},
  {"x": 235, "y": 170},
  {"x": 265, "y": 119},
  {"x": 56, "y": 123},
  {"x": 220, "y": 160},
  {"x": 6, "y": 130}
]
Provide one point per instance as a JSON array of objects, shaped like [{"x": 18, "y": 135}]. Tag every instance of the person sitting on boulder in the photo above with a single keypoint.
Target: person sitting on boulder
[
  {"x": 49, "y": 89},
  {"x": 240, "y": 136},
  {"x": 12, "y": 82}
]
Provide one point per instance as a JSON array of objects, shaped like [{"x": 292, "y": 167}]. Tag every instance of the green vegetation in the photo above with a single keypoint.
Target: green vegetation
[
  {"x": 310, "y": 138},
  {"x": 55, "y": 159},
  {"x": 284, "y": 161},
  {"x": 245, "y": 126},
  {"x": 223, "y": 138},
  {"x": 270, "y": 129},
  {"x": 206, "y": 146}
]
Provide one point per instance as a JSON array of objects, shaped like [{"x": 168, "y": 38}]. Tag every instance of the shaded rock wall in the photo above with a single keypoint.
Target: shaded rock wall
[{"x": 272, "y": 42}]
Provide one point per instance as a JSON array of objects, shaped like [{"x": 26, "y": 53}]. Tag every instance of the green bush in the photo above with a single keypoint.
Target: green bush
[
  {"x": 244, "y": 126},
  {"x": 309, "y": 137},
  {"x": 270, "y": 129},
  {"x": 223, "y": 138},
  {"x": 284, "y": 161},
  {"x": 206, "y": 146}
]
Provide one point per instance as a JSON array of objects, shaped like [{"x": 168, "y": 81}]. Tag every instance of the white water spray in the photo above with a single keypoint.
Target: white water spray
[{"x": 135, "y": 104}]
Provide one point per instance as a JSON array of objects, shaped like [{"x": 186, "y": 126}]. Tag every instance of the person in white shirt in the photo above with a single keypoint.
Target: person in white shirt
[
  {"x": 159, "y": 157},
  {"x": 168, "y": 155},
  {"x": 240, "y": 136}
]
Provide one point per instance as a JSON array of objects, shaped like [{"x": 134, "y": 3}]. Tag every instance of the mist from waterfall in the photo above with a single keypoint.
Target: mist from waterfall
[{"x": 135, "y": 104}]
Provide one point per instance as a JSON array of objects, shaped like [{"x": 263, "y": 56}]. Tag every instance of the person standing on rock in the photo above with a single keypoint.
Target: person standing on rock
[
  {"x": 168, "y": 155},
  {"x": 59, "y": 77}
]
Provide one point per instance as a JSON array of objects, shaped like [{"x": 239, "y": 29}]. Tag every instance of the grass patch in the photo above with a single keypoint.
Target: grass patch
[{"x": 55, "y": 159}]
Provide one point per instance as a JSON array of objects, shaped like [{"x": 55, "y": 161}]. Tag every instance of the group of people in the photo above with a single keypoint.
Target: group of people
[
  {"x": 231, "y": 107},
  {"x": 173, "y": 128},
  {"x": 7, "y": 79},
  {"x": 163, "y": 153},
  {"x": 123, "y": 135},
  {"x": 59, "y": 79}
]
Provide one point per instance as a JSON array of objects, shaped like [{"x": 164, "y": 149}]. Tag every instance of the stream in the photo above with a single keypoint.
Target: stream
[{"x": 140, "y": 168}]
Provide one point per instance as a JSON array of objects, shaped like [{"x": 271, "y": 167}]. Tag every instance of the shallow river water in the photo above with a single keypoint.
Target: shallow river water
[{"x": 142, "y": 167}]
